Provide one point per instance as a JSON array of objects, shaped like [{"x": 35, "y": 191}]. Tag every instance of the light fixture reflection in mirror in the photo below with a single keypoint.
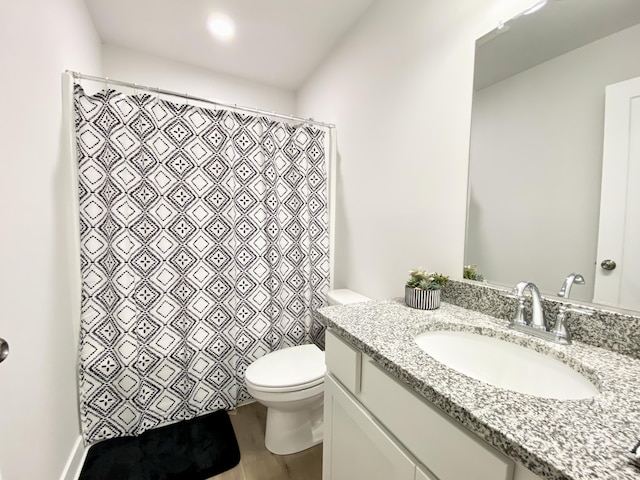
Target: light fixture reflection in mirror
[
  {"x": 537, "y": 140},
  {"x": 535, "y": 7}
]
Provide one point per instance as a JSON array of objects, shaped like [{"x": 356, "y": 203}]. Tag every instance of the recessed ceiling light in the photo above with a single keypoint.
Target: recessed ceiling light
[{"x": 221, "y": 26}]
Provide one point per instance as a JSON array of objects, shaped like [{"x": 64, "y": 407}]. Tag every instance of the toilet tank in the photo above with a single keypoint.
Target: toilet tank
[{"x": 344, "y": 296}]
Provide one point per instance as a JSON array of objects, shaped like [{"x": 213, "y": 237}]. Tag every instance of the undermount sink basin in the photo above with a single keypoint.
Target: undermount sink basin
[{"x": 506, "y": 365}]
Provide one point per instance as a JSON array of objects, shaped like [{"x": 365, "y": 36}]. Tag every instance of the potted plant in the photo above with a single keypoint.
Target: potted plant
[
  {"x": 423, "y": 289},
  {"x": 470, "y": 272}
]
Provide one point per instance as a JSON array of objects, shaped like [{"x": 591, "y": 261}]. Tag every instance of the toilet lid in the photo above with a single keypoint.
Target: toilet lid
[{"x": 289, "y": 367}]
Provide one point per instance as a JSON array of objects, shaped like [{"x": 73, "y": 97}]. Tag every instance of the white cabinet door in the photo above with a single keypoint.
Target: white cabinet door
[{"x": 355, "y": 446}]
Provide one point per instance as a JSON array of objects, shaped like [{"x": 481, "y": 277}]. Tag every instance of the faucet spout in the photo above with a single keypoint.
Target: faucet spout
[
  {"x": 537, "y": 314},
  {"x": 572, "y": 278}
]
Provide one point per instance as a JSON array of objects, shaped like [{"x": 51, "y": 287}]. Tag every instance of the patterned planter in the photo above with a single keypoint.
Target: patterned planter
[{"x": 422, "y": 299}]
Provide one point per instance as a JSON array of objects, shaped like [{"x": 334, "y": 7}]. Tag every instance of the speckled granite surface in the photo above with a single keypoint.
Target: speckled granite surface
[
  {"x": 616, "y": 331},
  {"x": 575, "y": 439}
]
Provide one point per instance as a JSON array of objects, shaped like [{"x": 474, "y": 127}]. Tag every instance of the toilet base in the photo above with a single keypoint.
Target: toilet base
[{"x": 290, "y": 432}]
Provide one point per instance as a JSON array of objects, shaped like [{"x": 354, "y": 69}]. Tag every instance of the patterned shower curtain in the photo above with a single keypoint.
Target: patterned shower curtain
[{"x": 204, "y": 245}]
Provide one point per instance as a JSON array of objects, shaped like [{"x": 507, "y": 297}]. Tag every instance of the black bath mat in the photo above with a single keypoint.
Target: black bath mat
[{"x": 191, "y": 450}]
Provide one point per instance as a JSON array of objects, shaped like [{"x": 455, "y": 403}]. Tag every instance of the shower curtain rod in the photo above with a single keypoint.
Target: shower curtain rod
[{"x": 186, "y": 96}]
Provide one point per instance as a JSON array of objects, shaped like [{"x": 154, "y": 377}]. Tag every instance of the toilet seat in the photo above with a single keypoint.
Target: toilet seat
[
  {"x": 287, "y": 370},
  {"x": 292, "y": 388}
]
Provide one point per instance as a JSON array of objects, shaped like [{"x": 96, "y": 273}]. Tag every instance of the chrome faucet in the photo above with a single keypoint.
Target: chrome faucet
[
  {"x": 560, "y": 329},
  {"x": 572, "y": 278},
  {"x": 537, "y": 324},
  {"x": 537, "y": 314}
]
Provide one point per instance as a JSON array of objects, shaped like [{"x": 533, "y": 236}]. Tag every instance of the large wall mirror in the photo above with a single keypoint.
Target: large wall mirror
[{"x": 537, "y": 144}]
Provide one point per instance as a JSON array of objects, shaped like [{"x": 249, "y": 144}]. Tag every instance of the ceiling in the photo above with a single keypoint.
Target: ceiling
[
  {"x": 277, "y": 42},
  {"x": 559, "y": 27}
]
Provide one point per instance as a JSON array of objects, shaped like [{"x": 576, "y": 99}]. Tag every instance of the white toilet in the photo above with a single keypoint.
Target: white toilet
[{"x": 290, "y": 383}]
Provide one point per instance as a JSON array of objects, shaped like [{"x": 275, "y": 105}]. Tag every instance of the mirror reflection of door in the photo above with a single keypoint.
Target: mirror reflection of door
[{"x": 619, "y": 232}]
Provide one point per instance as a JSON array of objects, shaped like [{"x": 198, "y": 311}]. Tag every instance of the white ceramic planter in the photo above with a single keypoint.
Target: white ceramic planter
[{"x": 422, "y": 299}]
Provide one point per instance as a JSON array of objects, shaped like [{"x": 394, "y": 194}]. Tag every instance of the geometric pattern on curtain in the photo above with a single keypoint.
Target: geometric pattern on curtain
[{"x": 204, "y": 245}]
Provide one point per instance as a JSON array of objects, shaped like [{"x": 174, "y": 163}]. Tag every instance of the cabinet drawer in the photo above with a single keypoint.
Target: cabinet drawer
[
  {"x": 343, "y": 361},
  {"x": 446, "y": 448}
]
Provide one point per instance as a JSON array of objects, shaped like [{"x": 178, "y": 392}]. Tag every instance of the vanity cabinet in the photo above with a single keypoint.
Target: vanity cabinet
[{"x": 376, "y": 428}]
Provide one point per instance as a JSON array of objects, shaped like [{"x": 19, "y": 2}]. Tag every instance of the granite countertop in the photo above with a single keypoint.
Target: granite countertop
[{"x": 556, "y": 439}]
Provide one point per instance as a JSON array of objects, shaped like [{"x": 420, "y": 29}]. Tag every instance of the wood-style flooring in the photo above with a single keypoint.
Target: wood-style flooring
[{"x": 257, "y": 463}]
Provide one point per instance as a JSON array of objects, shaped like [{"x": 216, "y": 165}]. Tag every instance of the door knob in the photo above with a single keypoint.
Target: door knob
[
  {"x": 4, "y": 349},
  {"x": 608, "y": 264}
]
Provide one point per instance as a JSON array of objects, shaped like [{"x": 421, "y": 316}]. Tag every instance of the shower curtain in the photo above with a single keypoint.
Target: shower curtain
[{"x": 204, "y": 245}]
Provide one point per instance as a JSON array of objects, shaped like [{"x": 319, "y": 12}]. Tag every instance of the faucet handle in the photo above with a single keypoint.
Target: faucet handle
[
  {"x": 560, "y": 329},
  {"x": 583, "y": 310},
  {"x": 520, "y": 317},
  {"x": 511, "y": 294}
]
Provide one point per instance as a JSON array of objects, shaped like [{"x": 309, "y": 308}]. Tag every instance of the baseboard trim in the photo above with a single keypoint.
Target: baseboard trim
[{"x": 74, "y": 463}]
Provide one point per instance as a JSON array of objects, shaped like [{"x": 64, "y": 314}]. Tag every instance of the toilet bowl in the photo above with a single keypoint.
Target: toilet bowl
[{"x": 290, "y": 383}]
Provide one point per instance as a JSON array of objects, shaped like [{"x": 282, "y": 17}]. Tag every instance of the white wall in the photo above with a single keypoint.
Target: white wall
[
  {"x": 39, "y": 39},
  {"x": 399, "y": 90},
  {"x": 536, "y": 166},
  {"x": 144, "y": 69}
]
